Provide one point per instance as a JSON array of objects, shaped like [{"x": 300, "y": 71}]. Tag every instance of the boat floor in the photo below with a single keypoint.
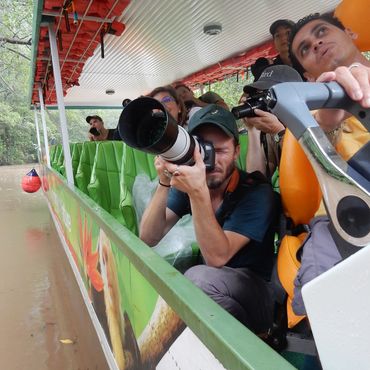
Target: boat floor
[{"x": 40, "y": 302}]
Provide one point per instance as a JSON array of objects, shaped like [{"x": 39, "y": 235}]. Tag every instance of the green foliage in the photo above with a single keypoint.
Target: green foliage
[
  {"x": 17, "y": 123},
  {"x": 231, "y": 88}
]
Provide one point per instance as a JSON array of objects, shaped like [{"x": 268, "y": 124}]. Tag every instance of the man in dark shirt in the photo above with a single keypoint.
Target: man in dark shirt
[
  {"x": 232, "y": 214},
  {"x": 280, "y": 31},
  {"x": 97, "y": 130}
]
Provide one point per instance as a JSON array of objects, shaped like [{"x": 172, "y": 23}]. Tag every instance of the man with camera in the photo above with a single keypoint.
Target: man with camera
[
  {"x": 97, "y": 130},
  {"x": 265, "y": 131},
  {"x": 232, "y": 214}
]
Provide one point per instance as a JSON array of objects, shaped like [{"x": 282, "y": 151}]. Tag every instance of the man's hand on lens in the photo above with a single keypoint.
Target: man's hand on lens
[{"x": 189, "y": 179}]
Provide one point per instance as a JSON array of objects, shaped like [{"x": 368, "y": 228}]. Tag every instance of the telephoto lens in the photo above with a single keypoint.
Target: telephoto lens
[{"x": 145, "y": 125}]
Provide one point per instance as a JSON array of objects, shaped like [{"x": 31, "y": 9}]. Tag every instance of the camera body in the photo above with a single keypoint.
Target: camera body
[
  {"x": 94, "y": 131},
  {"x": 256, "y": 101},
  {"x": 145, "y": 125}
]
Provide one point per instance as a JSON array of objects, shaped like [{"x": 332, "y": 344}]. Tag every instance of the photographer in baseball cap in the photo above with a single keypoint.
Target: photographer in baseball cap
[
  {"x": 265, "y": 131},
  {"x": 232, "y": 214},
  {"x": 97, "y": 130}
]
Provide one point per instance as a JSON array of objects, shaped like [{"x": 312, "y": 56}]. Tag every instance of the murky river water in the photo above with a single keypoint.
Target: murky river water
[{"x": 40, "y": 303}]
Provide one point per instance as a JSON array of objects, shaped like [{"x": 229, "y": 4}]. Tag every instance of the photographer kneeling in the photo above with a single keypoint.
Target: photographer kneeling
[{"x": 232, "y": 213}]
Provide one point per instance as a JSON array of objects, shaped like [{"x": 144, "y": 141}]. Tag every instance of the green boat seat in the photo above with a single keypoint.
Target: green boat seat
[
  {"x": 134, "y": 163},
  {"x": 52, "y": 151},
  {"x": 62, "y": 168},
  {"x": 85, "y": 165},
  {"x": 60, "y": 161},
  {"x": 76, "y": 155},
  {"x": 104, "y": 186},
  {"x": 241, "y": 161},
  {"x": 54, "y": 160}
]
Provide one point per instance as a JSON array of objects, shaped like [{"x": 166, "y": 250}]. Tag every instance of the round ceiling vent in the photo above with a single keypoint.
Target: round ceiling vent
[{"x": 212, "y": 29}]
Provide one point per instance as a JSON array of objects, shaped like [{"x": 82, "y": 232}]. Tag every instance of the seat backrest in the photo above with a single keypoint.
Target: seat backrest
[
  {"x": 241, "y": 161},
  {"x": 134, "y": 163},
  {"x": 76, "y": 155},
  {"x": 52, "y": 151},
  {"x": 299, "y": 187},
  {"x": 104, "y": 186},
  {"x": 54, "y": 160},
  {"x": 85, "y": 165},
  {"x": 301, "y": 197},
  {"x": 62, "y": 168},
  {"x": 60, "y": 161}
]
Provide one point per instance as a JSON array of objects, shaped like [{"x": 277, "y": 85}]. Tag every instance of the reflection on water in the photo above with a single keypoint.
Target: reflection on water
[{"x": 39, "y": 300}]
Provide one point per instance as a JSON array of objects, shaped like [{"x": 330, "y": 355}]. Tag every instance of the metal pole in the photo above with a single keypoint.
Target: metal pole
[
  {"x": 61, "y": 108},
  {"x": 46, "y": 141},
  {"x": 37, "y": 134}
]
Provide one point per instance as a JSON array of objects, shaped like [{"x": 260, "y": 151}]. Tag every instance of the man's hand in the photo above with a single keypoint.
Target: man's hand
[
  {"x": 265, "y": 122},
  {"x": 355, "y": 80},
  {"x": 163, "y": 175},
  {"x": 189, "y": 179}
]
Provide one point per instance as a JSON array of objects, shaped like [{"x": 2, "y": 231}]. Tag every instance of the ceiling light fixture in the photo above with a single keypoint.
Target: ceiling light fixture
[{"x": 212, "y": 28}]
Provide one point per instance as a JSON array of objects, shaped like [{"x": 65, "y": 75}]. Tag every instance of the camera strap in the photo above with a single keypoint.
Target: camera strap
[{"x": 235, "y": 189}]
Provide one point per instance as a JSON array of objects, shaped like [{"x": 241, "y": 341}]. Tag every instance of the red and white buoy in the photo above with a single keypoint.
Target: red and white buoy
[{"x": 31, "y": 182}]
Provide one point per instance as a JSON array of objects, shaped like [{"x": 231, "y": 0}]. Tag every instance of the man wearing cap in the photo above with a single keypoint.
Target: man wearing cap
[
  {"x": 280, "y": 31},
  {"x": 210, "y": 97},
  {"x": 232, "y": 215},
  {"x": 264, "y": 150},
  {"x": 97, "y": 130}
]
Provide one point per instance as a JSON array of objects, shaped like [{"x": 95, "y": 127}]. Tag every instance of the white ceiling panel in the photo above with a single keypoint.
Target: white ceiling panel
[{"x": 164, "y": 42}]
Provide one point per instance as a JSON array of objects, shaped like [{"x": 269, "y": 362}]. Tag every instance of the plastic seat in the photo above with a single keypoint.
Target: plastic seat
[
  {"x": 85, "y": 165},
  {"x": 241, "y": 161},
  {"x": 52, "y": 151},
  {"x": 59, "y": 161},
  {"x": 301, "y": 197},
  {"x": 134, "y": 163},
  {"x": 62, "y": 167},
  {"x": 54, "y": 160},
  {"x": 104, "y": 186},
  {"x": 76, "y": 155}
]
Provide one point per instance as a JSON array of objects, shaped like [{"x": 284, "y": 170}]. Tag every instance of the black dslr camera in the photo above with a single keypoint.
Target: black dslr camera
[
  {"x": 256, "y": 101},
  {"x": 94, "y": 131}
]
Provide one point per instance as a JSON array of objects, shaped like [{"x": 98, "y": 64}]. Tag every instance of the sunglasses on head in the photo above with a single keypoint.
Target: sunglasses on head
[{"x": 167, "y": 99}]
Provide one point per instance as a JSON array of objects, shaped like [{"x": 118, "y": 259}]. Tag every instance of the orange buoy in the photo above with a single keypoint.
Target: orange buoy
[
  {"x": 31, "y": 182},
  {"x": 355, "y": 15}
]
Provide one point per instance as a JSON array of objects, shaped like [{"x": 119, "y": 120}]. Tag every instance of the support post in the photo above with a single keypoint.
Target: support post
[
  {"x": 61, "y": 108},
  {"x": 43, "y": 119},
  {"x": 37, "y": 134}
]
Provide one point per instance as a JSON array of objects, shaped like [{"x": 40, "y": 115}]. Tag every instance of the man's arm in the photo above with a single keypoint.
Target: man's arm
[
  {"x": 255, "y": 160},
  {"x": 217, "y": 246},
  {"x": 157, "y": 219}
]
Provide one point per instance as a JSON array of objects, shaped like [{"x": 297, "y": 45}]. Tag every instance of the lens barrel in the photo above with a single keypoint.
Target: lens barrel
[{"x": 145, "y": 124}]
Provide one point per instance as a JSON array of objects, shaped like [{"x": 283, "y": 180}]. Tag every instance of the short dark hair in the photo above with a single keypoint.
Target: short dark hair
[
  {"x": 89, "y": 118},
  {"x": 183, "y": 85},
  {"x": 259, "y": 66},
  {"x": 326, "y": 17}
]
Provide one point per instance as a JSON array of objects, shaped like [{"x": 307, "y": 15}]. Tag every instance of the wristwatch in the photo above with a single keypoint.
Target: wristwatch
[{"x": 278, "y": 136}]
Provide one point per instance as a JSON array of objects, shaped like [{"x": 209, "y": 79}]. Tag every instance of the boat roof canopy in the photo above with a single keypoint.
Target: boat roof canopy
[{"x": 151, "y": 43}]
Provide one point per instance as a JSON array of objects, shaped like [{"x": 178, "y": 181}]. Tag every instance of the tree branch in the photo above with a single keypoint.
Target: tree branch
[
  {"x": 17, "y": 52},
  {"x": 15, "y": 41}
]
